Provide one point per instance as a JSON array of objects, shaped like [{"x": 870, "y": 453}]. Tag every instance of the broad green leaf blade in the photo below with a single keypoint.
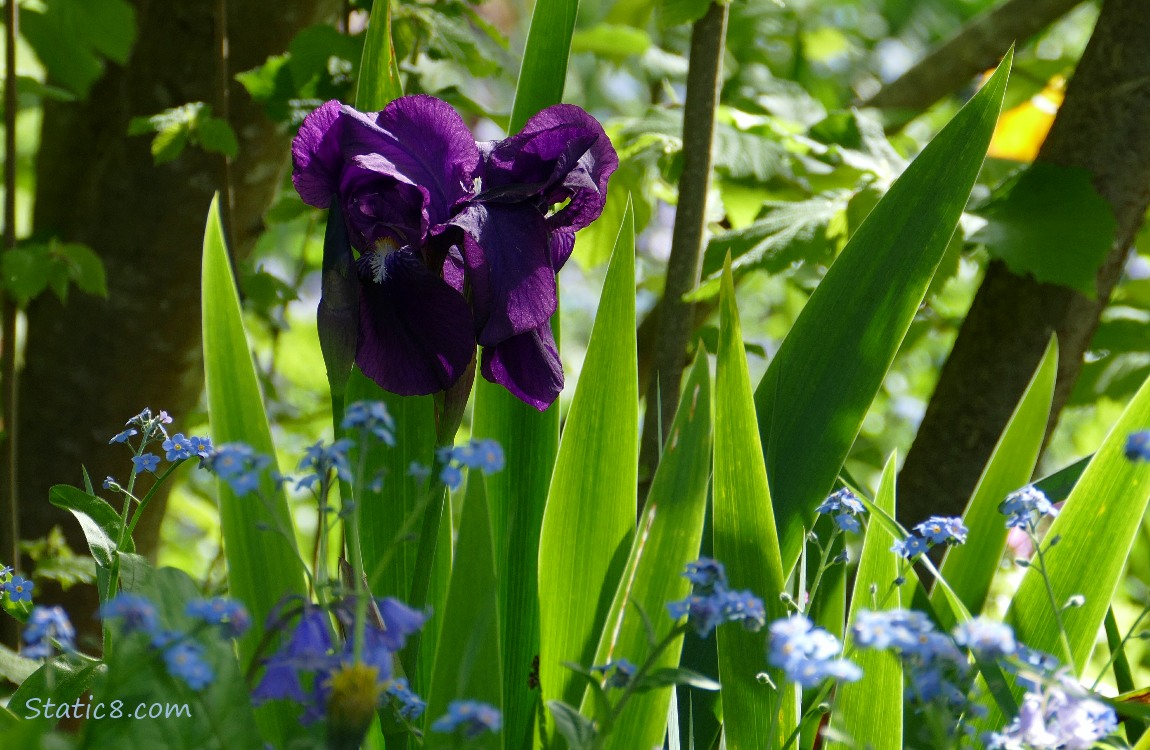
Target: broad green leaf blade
[
  {"x": 15, "y": 668},
  {"x": 517, "y": 496},
  {"x": 590, "y": 512},
  {"x": 969, "y": 568},
  {"x": 262, "y": 560},
  {"x": 881, "y": 685},
  {"x": 467, "y": 664},
  {"x": 670, "y": 531},
  {"x": 544, "y": 68},
  {"x": 101, "y": 523},
  {"x": 812, "y": 400},
  {"x": 378, "y": 70},
  {"x": 530, "y": 440},
  {"x": 746, "y": 542},
  {"x": 62, "y": 679},
  {"x": 388, "y": 552},
  {"x": 1097, "y": 526}
]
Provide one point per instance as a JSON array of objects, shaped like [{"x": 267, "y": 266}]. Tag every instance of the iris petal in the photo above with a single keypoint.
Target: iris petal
[
  {"x": 507, "y": 256},
  {"x": 317, "y": 159},
  {"x": 425, "y": 141},
  {"x": 415, "y": 331},
  {"x": 528, "y": 366},
  {"x": 562, "y": 154}
]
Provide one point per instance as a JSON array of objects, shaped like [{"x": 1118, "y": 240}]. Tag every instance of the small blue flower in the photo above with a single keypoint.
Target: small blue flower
[
  {"x": 451, "y": 476},
  {"x": 487, "y": 456},
  {"x": 1138, "y": 446},
  {"x": 322, "y": 460},
  {"x": 847, "y": 507},
  {"x": 178, "y": 448},
  {"x": 5, "y": 570},
  {"x": 46, "y": 628},
  {"x": 808, "y": 655},
  {"x": 145, "y": 462},
  {"x": 307, "y": 650},
  {"x": 185, "y": 660},
  {"x": 418, "y": 471},
  {"x": 942, "y": 530},
  {"x": 1024, "y": 507},
  {"x": 909, "y": 548},
  {"x": 876, "y": 629},
  {"x": 618, "y": 672},
  {"x": 986, "y": 638},
  {"x": 744, "y": 607},
  {"x": 201, "y": 446},
  {"x": 707, "y": 575},
  {"x": 110, "y": 483},
  {"x": 471, "y": 717},
  {"x": 122, "y": 437},
  {"x": 847, "y": 522},
  {"x": 411, "y": 706},
  {"x": 703, "y": 613},
  {"x": 137, "y": 613},
  {"x": 239, "y": 465},
  {"x": 373, "y": 417},
  {"x": 227, "y": 614},
  {"x": 19, "y": 589}
]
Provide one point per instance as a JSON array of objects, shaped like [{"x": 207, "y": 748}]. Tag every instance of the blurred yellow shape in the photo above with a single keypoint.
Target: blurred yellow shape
[{"x": 1021, "y": 130}]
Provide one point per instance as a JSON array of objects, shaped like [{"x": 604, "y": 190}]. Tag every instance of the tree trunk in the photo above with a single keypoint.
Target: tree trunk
[
  {"x": 93, "y": 363},
  {"x": 1102, "y": 127}
]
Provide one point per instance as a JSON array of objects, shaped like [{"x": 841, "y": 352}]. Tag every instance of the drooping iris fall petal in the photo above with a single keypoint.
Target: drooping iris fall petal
[
  {"x": 528, "y": 366},
  {"x": 506, "y": 257},
  {"x": 415, "y": 331}
]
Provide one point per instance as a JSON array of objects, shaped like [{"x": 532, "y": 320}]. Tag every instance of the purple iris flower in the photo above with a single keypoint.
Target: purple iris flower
[{"x": 458, "y": 242}]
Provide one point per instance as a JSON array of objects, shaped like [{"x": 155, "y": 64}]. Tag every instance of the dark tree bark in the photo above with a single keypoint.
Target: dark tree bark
[
  {"x": 975, "y": 48},
  {"x": 1102, "y": 126},
  {"x": 93, "y": 363}
]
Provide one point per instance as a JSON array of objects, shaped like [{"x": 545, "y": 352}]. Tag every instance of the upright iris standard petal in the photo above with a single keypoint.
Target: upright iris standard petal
[
  {"x": 381, "y": 206},
  {"x": 505, "y": 254},
  {"x": 317, "y": 155},
  {"x": 424, "y": 140},
  {"x": 562, "y": 154},
  {"x": 528, "y": 366},
  {"x": 415, "y": 331}
]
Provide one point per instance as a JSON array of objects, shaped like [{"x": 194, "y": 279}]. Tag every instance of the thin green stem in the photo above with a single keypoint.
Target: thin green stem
[
  {"x": 355, "y": 546},
  {"x": 824, "y": 565},
  {"x": 1053, "y": 602},
  {"x": 1115, "y": 651}
]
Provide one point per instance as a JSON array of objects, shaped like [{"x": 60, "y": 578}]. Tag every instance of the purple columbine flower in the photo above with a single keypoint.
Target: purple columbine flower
[{"x": 458, "y": 242}]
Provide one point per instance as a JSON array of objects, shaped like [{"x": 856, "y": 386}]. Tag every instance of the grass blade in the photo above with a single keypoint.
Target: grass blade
[
  {"x": 1097, "y": 526},
  {"x": 544, "y": 68},
  {"x": 670, "y": 531},
  {"x": 746, "y": 541},
  {"x": 530, "y": 439},
  {"x": 259, "y": 544},
  {"x": 882, "y": 684},
  {"x": 969, "y": 568},
  {"x": 378, "y": 70},
  {"x": 467, "y": 664},
  {"x": 813, "y": 398},
  {"x": 590, "y": 511}
]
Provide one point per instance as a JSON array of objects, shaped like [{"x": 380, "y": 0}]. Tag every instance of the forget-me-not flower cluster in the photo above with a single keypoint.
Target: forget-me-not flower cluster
[
  {"x": 1059, "y": 715},
  {"x": 808, "y": 655},
  {"x": 932, "y": 531},
  {"x": 48, "y": 628},
  {"x": 713, "y": 603},
  {"x": 184, "y": 657},
  {"x": 847, "y": 509}
]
